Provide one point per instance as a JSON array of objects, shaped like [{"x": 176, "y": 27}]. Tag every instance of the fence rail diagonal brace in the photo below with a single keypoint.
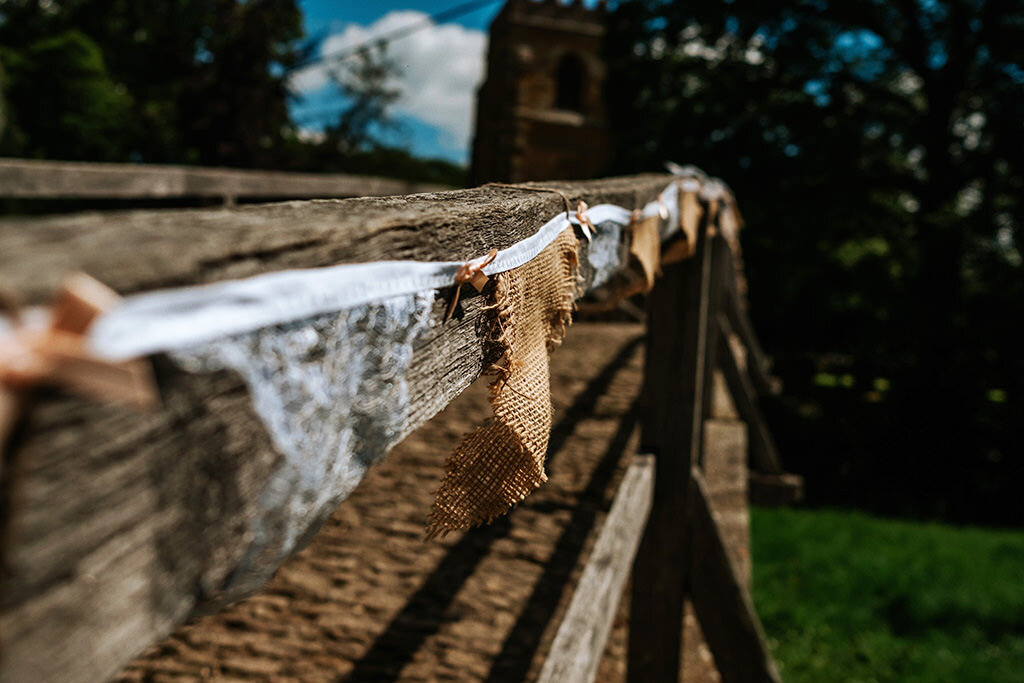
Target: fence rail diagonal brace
[
  {"x": 763, "y": 452},
  {"x": 721, "y": 600},
  {"x": 769, "y": 483}
]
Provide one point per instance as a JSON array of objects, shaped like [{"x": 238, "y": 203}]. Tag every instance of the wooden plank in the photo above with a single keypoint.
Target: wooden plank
[
  {"x": 8, "y": 416},
  {"x": 29, "y": 178},
  {"x": 726, "y": 477},
  {"x": 673, "y": 422},
  {"x": 723, "y": 604},
  {"x": 775, "y": 490},
  {"x": 721, "y": 257},
  {"x": 10, "y": 410},
  {"x": 763, "y": 452},
  {"x": 131, "y": 523},
  {"x": 581, "y": 637}
]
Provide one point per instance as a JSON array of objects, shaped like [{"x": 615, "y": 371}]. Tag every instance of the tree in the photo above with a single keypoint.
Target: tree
[
  {"x": 204, "y": 81},
  {"x": 65, "y": 100},
  {"x": 366, "y": 83},
  {"x": 235, "y": 107},
  {"x": 353, "y": 143},
  {"x": 877, "y": 152}
]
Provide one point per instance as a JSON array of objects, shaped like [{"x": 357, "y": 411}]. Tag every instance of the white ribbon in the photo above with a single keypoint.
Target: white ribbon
[{"x": 166, "y": 320}]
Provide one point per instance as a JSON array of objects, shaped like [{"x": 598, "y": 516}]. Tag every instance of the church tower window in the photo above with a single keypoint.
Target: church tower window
[{"x": 570, "y": 80}]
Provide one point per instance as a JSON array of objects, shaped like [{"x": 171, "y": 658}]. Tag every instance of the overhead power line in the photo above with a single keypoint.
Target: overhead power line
[{"x": 445, "y": 15}]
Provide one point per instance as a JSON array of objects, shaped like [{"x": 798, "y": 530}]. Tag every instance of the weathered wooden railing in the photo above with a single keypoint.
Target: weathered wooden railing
[
  {"x": 32, "y": 179},
  {"x": 117, "y": 526}
]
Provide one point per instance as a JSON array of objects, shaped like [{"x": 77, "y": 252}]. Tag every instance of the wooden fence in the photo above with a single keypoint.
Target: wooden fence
[
  {"x": 31, "y": 179},
  {"x": 118, "y": 526}
]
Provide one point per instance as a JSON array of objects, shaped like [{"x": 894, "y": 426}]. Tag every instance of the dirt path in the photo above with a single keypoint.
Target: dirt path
[{"x": 369, "y": 600}]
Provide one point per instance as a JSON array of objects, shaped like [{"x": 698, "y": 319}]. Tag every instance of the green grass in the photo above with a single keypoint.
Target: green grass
[{"x": 847, "y": 597}]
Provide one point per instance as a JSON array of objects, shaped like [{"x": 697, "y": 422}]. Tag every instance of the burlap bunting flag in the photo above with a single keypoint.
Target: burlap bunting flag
[
  {"x": 496, "y": 466},
  {"x": 690, "y": 213},
  {"x": 646, "y": 247}
]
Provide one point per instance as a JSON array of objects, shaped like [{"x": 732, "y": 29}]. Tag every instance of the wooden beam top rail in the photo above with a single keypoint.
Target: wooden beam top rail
[{"x": 133, "y": 251}]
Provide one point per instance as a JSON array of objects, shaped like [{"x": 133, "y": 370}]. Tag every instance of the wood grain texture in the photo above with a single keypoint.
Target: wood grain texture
[
  {"x": 720, "y": 256},
  {"x": 722, "y": 601},
  {"x": 763, "y": 453},
  {"x": 9, "y": 410},
  {"x": 34, "y": 179},
  {"x": 672, "y": 407},
  {"x": 725, "y": 474},
  {"x": 129, "y": 523},
  {"x": 579, "y": 642}
]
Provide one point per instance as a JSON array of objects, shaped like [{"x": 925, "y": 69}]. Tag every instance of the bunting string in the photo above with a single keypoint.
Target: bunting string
[{"x": 324, "y": 349}]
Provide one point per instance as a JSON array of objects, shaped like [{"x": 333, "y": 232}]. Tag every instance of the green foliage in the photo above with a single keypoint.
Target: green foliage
[
  {"x": 330, "y": 156},
  {"x": 189, "y": 81},
  {"x": 195, "y": 81},
  {"x": 877, "y": 153},
  {"x": 398, "y": 163},
  {"x": 366, "y": 83},
  {"x": 66, "y": 100},
  {"x": 352, "y": 144},
  {"x": 847, "y": 597},
  {"x": 235, "y": 108}
]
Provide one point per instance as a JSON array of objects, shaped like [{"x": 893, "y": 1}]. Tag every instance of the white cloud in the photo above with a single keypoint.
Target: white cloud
[{"x": 439, "y": 69}]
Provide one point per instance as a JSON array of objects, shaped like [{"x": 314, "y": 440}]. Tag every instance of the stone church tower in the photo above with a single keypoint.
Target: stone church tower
[{"x": 540, "y": 112}]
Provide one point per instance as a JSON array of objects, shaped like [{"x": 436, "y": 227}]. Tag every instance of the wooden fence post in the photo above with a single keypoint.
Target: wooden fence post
[
  {"x": 673, "y": 400},
  {"x": 720, "y": 256},
  {"x": 682, "y": 552}
]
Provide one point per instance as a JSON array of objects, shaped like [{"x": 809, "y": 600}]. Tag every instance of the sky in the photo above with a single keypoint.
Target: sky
[{"x": 440, "y": 68}]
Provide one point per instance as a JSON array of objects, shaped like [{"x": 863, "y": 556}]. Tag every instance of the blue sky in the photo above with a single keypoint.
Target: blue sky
[
  {"x": 332, "y": 15},
  {"x": 440, "y": 68}
]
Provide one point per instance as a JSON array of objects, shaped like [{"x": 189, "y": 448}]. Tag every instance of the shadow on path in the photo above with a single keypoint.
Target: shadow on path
[
  {"x": 424, "y": 613},
  {"x": 513, "y": 662}
]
